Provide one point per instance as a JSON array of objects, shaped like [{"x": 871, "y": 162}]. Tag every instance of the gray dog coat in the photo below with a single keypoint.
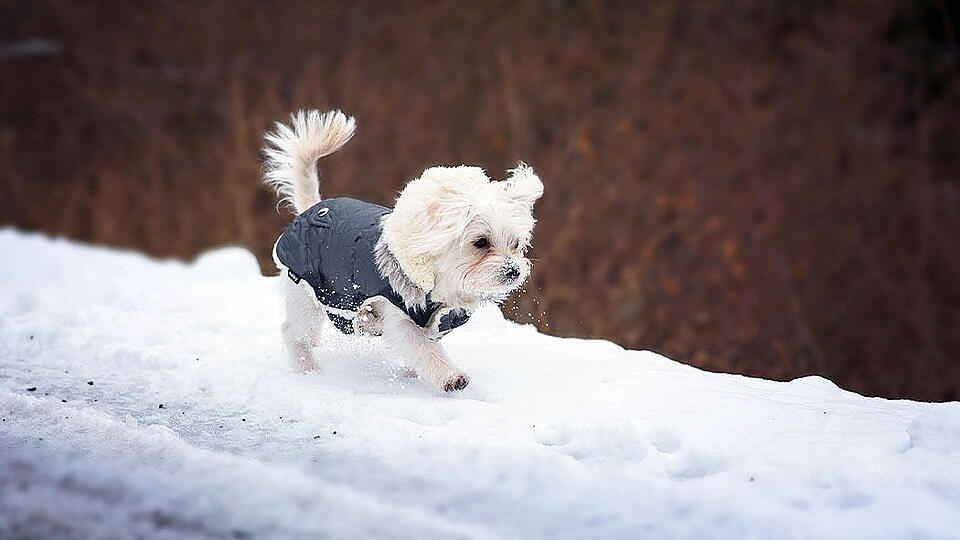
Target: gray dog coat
[{"x": 331, "y": 246}]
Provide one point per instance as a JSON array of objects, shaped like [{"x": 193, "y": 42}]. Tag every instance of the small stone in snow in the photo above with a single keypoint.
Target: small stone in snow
[
  {"x": 316, "y": 436},
  {"x": 334, "y": 432},
  {"x": 32, "y": 389},
  {"x": 63, "y": 401},
  {"x": 161, "y": 406},
  {"x": 90, "y": 383}
]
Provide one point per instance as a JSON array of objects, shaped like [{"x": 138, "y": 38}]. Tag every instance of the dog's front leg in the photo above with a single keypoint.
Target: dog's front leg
[{"x": 429, "y": 359}]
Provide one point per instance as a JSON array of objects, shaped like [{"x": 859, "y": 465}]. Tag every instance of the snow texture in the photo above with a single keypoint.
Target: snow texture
[{"x": 146, "y": 398}]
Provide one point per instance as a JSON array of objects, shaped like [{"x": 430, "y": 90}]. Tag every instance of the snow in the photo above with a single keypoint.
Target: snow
[{"x": 554, "y": 437}]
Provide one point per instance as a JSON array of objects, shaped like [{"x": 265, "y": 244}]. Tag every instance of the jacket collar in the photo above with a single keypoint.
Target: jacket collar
[{"x": 412, "y": 294}]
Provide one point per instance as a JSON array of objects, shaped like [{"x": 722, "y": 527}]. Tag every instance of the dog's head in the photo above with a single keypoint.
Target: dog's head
[{"x": 461, "y": 236}]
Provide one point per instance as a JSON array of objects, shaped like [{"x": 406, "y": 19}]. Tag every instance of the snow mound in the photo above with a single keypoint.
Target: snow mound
[{"x": 149, "y": 398}]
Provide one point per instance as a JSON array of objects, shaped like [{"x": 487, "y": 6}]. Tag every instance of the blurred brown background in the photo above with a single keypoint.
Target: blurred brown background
[{"x": 769, "y": 188}]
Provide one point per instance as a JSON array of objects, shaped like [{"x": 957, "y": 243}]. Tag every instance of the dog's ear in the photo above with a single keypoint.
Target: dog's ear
[
  {"x": 523, "y": 185},
  {"x": 451, "y": 194},
  {"x": 428, "y": 216},
  {"x": 449, "y": 206}
]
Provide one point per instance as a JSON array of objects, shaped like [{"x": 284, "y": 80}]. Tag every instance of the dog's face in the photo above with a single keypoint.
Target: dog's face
[
  {"x": 486, "y": 258},
  {"x": 469, "y": 234}
]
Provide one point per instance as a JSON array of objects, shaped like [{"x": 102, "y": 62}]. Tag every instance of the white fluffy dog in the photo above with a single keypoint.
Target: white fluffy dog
[{"x": 453, "y": 240}]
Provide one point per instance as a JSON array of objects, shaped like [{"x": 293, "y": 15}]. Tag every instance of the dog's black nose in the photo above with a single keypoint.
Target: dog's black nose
[{"x": 511, "y": 272}]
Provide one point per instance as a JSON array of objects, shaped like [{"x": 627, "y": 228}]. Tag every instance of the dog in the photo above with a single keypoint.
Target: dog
[{"x": 453, "y": 240}]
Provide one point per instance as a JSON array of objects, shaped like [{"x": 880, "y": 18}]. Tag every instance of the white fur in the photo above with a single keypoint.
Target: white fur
[
  {"x": 303, "y": 325},
  {"x": 292, "y": 153},
  {"x": 428, "y": 245}
]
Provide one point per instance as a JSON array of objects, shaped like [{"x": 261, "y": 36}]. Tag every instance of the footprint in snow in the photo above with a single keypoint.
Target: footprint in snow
[{"x": 616, "y": 442}]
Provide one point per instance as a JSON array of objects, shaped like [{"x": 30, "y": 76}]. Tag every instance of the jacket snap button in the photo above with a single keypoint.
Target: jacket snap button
[{"x": 322, "y": 212}]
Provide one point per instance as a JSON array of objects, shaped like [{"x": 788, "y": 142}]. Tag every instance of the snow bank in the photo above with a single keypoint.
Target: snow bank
[{"x": 553, "y": 438}]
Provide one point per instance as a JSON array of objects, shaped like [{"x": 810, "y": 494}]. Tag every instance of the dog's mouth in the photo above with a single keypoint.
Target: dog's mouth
[
  {"x": 496, "y": 298},
  {"x": 504, "y": 286},
  {"x": 494, "y": 284}
]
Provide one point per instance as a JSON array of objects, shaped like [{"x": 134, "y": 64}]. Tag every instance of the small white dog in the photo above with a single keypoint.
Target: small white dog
[{"x": 453, "y": 240}]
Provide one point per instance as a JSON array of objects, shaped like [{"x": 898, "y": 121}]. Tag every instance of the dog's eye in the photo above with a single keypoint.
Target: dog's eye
[
  {"x": 481, "y": 243},
  {"x": 516, "y": 244}
]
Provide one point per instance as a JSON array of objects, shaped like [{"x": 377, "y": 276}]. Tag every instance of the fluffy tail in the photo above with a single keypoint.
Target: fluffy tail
[{"x": 292, "y": 153}]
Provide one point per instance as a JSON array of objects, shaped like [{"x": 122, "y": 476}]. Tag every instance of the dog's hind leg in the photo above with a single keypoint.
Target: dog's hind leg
[{"x": 302, "y": 327}]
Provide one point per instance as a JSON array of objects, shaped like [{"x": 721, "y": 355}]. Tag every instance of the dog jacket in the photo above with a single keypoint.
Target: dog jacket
[{"x": 331, "y": 246}]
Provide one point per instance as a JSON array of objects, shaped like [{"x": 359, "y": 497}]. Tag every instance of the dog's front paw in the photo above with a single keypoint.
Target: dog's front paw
[
  {"x": 369, "y": 320},
  {"x": 456, "y": 383}
]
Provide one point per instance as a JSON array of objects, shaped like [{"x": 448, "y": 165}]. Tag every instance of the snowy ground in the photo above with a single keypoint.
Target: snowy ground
[{"x": 553, "y": 438}]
